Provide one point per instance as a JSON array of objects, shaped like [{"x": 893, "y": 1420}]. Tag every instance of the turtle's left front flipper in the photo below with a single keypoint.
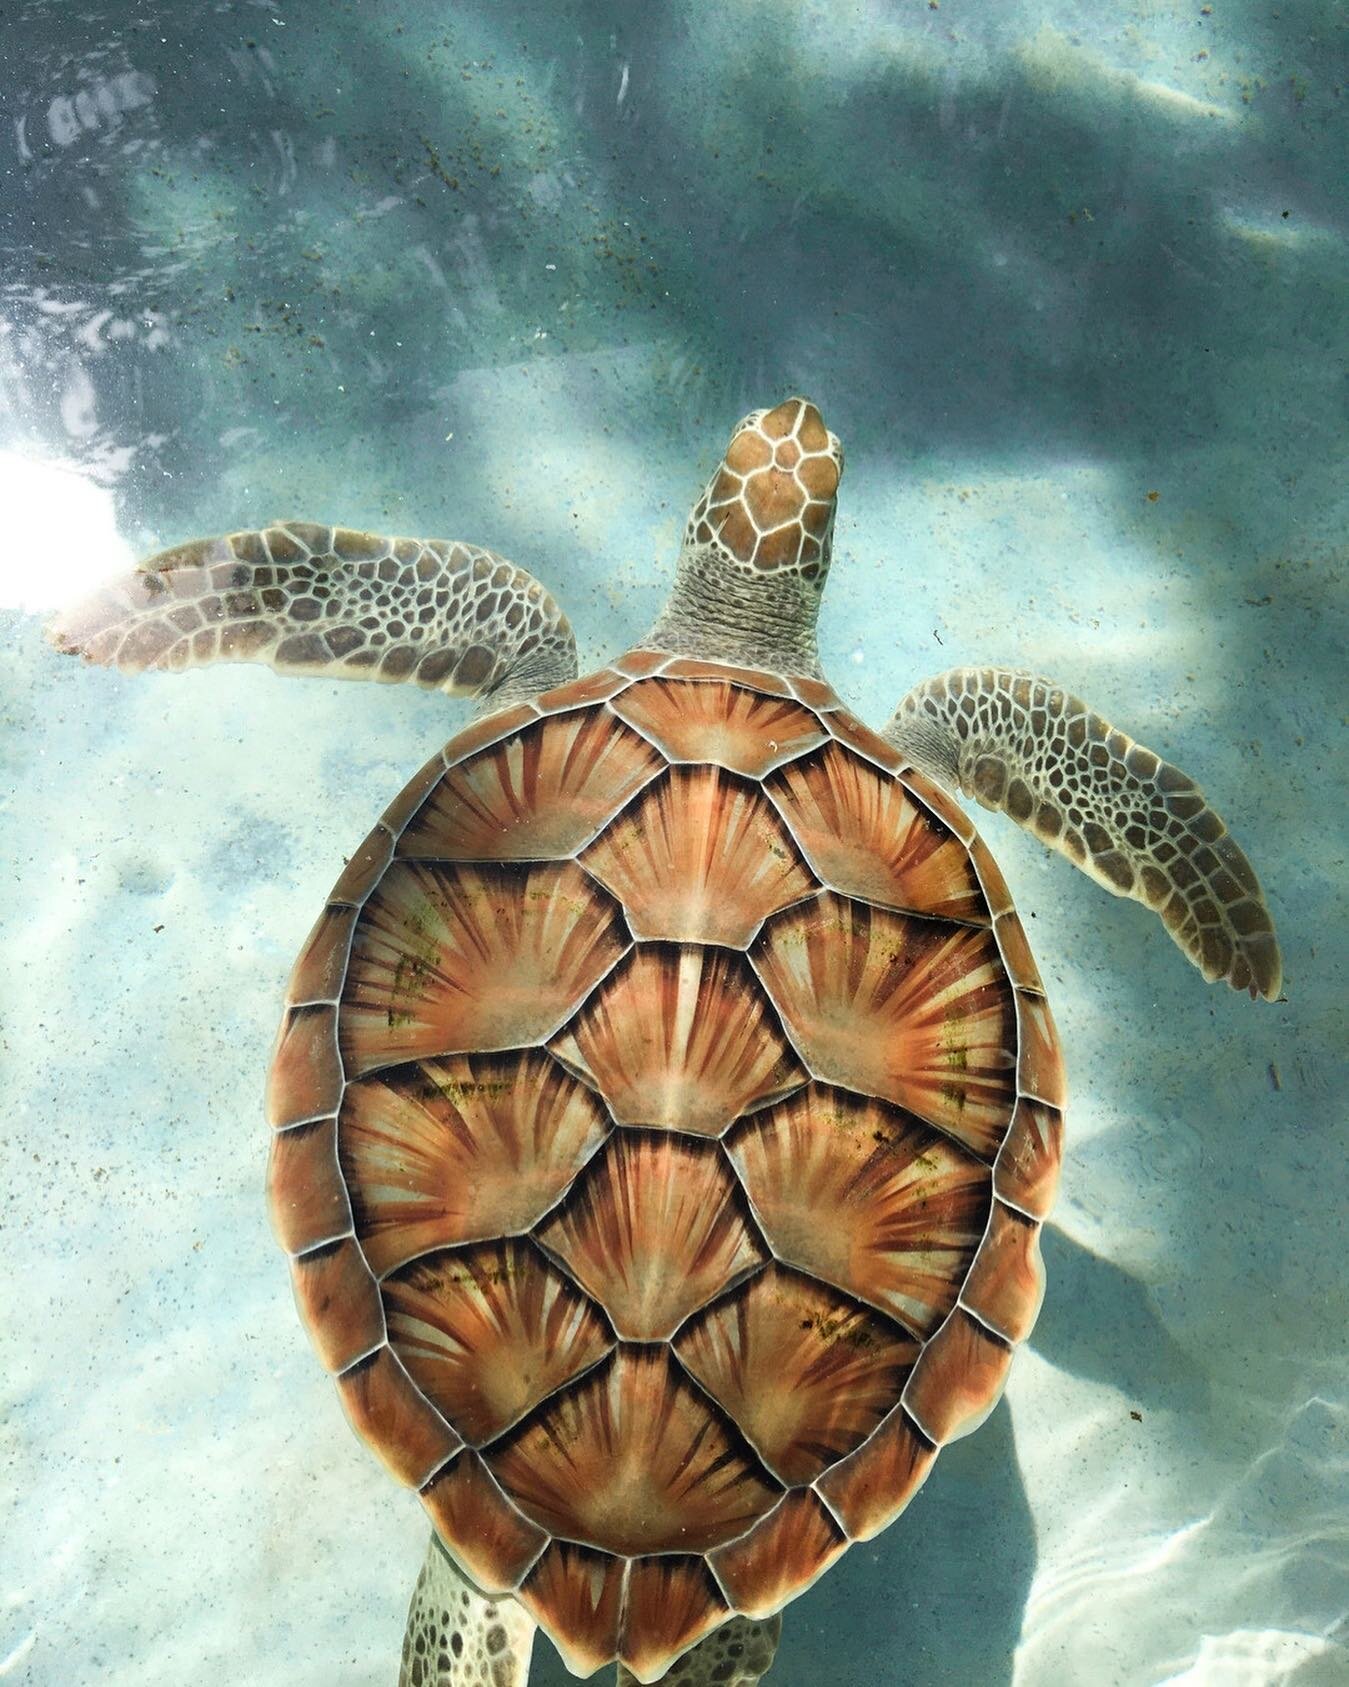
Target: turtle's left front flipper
[
  {"x": 329, "y": 601},
  {"x": 1135, "y": 823}
]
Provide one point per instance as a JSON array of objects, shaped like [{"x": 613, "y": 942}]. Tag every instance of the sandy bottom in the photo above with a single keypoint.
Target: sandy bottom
[{"x": 1162, "y": 1496}]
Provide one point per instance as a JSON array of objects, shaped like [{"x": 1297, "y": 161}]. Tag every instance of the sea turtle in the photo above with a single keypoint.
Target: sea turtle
[{"x": 667, "y": 1102}]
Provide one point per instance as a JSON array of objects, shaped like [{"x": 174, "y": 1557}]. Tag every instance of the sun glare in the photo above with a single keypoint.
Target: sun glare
[{"x": 61, "y": 535}]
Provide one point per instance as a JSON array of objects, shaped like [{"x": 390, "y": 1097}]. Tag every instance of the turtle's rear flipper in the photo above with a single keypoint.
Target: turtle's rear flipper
[
  {"x": 1135, "y": 823},
  {"x": 737, "y": 1654},
  {"x": 332, "y": 602},
  {"x": 458, "y": 1637}
]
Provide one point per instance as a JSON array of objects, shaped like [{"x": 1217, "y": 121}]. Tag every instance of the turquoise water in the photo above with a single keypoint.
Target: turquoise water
[{"x": 1069, "y": 282}]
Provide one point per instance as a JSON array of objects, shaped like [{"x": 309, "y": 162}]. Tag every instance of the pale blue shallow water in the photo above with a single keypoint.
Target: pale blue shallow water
[{"x": 509, "y": 273}]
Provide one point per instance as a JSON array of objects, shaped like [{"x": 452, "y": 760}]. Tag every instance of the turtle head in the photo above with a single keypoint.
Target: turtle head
[
  {"x": 769, "y": 508},
  {"x": 756, "y": 547}
]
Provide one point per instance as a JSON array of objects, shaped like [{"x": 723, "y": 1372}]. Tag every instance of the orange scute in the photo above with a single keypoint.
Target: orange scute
[
  {"x": 679, "y": 1039},
  {"x": 867, "y": 1198},
  {"x": 449, "y": 959},
  {"x": 807, "y": 1374},
  {"x": 634, "y": 1461},
  {"x": 461, "y": 1150},
  {"x": 913, "y": 1010},
  {"x": 866, "y": 836},
  {"x": 700, "y": 857},
  {"x": 720, "y": 722},
  {"x": 488, "y": 1332},
  {"x": 654, "y": 1230},
  {"x": 542, "y": 792}
]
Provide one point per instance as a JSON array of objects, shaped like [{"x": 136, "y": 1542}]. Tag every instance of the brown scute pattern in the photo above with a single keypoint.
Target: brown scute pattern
[
  {"x": 306, "y": 1194},
  {"x": 806, "y": 1373},
  {"x": 1138, "y": 825},
  {"x": 339, "y": 1301},
  {"x": 672, "y": 1602},
  {"x": 680, "y": 1039},
  {"x": 309, "y": 599},
  {"x": 865, "y": 835},
  {"x": 488, "y": 1332},
  {"x": 489, "y": 1537},
  {"x": 699, "y": 857},
  {"x": 780, "y": 1556},
  {"x": 578, "y": 1594},
  {"x": 633, "y": 1460},
  {"x": 540, "y": 793},
  {"x": 1026, "y": 1172},
  {"x": 653, "y": 1231},
  {"x": 463, "y": 1149},
  {"x": 448, "y": 959},
  {"x": 385, "y": 1408},
  {"x": 958, "y": 1379},
  {"x": 868, "y": 1490},
  {"x": 867, "y": 1198},
  {"x": 719, "y": 722},
  {"x": 1007, "y": 1283},
  {"x": 914, "y": 1010},
  {"x": 691, "y": 1175},
  {"x": 305, "y": 1079}
]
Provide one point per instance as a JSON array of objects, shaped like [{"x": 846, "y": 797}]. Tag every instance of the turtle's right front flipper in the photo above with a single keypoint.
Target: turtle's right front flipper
[
  {"x": 1139, "y": 826},
  {"x": 331, "y": 602}
]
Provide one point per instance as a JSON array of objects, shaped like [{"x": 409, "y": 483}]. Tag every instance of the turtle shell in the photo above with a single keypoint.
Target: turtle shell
[{"x": 665, "y": 1107}]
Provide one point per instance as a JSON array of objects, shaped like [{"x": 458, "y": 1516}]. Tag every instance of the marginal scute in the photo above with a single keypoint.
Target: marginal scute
[
  {"x": 1026, "y": 1172},
  {"x": 847, "y": 729},
  {"x": 462, "y": 1149},
  {"x": 305, "y": 1191},
  {"x": 958, "y": 1379},
  {"x": 589, "y": 688},
  {"x": 804, "y": 1372},
  {"x": 672, "y": 1603},
  {"x": 780, "y": 1556},
  {"x": 490, "y": 729},
  {"x": 866, "y": 836},
  {"x": 637, "y": 664},
  {"x": 1040, "y": 1071},
  {"x": 868, "y": 1490},
  {"x": 753, "y": 679},
  {"x": 679, "y": 1039},
  {"x": 318, "y": 973},
  {"x": 717, "y": 721},
  {"x": 484, "y": 1531},
  {"x": 917, "y": 1011},
  {"x": 539, "y": 794},
  {"x": 386, "y": 1409},
  {"x": 305, "y": 1079},
  {"x": 488, "y": 1332},
  {"x": 454, "y": 958},
  {"x": 577, "y": 1594},
  {"x": 413, "y": 794},
  {"x": 339, "y": 1303},
  {"x": 633, "y": 1460},
  {"x": 699, "y": 857},
  {"x": 365, "y": 868},
  {"x": 653, "y": 1230},
  {"x": 865, "y": 1197},
  {"x": 1016, "y": 954},
  {"x": 1006, "y": 1282}
]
